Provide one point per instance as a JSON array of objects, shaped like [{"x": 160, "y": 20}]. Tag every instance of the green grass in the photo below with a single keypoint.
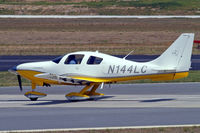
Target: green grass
[
  {"x": 143, "y": 7},
  {"x": 162, "y": 4},
  {"x": 6, "y": 11},
  {"x": 39, "y": 3},
  {"x": 8, "y": 79}
]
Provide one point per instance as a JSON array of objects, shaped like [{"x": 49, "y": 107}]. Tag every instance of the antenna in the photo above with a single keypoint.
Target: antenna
[{"x": 128, "y": 54}]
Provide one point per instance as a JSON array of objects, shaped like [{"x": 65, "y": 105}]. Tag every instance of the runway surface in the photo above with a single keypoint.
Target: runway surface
[
  {"x": 122, "y": 105},
  {"x": 7, "y": 62}
]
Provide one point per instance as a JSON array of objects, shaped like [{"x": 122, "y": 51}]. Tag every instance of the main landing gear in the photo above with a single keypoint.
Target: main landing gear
[{"x": 84, "y": 94}]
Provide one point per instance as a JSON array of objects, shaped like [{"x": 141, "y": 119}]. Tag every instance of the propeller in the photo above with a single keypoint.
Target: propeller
[
  {"x": 14, "y": 70},
  {"x": 20, "y": 82}
]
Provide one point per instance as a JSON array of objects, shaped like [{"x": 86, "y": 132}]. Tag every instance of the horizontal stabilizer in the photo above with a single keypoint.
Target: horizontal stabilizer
[{"x": 164, "y": 70}]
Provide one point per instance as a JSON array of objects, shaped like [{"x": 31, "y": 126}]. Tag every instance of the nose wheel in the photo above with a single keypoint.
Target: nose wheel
[
  {"x": 33, "y": 99},
  {"x": 34, "y": 95}
]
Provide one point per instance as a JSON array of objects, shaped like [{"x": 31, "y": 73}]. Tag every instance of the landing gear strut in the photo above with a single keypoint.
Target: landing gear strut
[
  {"x": 84, "y": 94},
  {"x": 33, "y": 95}
]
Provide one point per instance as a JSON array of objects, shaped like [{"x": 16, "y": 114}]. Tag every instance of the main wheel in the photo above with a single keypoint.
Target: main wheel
[{"x": 33, "y": 99}]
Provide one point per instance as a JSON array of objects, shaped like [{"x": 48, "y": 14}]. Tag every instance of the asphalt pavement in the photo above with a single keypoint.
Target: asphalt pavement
[{"x": 122, "y": 105}]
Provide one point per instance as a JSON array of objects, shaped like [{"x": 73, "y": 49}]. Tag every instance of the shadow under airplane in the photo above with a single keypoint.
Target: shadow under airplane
[{"x": 51, "y": 102}]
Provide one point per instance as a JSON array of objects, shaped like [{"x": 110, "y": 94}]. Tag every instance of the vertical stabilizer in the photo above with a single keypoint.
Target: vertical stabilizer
[{"x": 178, "y": 55}]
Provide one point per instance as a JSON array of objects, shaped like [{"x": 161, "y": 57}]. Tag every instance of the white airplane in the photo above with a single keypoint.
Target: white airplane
[{"x": 93, "y": 69}]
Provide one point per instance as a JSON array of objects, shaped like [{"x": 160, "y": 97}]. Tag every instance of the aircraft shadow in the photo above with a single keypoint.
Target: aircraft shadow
[
  {"x": 148, "y": 100},
  {"x": 52, "y": 102},
  {"x": 13, "y": 100},
  {"x": 158, "y": 100}
]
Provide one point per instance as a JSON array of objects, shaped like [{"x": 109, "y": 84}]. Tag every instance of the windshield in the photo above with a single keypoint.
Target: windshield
[{"x": 57, "y": 60}]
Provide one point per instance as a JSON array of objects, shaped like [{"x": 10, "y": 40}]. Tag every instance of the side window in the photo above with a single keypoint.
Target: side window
[
  {"x": 74, "y": 59},
  {"x": 94, "y": 60}
]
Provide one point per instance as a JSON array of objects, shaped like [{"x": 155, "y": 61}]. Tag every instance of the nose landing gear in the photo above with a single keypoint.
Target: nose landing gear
[{"x": 33, "y": 95}]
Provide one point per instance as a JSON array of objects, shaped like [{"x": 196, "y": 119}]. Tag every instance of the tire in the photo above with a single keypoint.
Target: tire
[{"x": 33, "y": 99}]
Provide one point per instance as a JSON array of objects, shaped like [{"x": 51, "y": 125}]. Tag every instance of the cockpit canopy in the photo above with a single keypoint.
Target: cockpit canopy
[
  {"x": 57, "y": 59},
  {"x": 94, "y": 60},
  {"x": 74, "y": 59},
  {"x": 78, "y": 58}
]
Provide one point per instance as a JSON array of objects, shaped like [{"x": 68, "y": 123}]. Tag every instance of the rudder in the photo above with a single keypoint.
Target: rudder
[{"x": 178, "y": 55}]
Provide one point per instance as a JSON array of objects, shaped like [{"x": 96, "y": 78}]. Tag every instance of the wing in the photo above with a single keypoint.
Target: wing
[{"x": 62, "y": 79}]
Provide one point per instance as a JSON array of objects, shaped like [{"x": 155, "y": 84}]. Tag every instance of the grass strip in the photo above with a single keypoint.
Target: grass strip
[
  {"x": 9, "y": 79},
  {"x": 106, "y": 7},
  {"x": 161, "y": 4}
]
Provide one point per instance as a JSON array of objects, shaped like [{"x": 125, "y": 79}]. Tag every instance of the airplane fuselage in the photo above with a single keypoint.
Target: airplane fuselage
[{"x": 111, "y": 69}]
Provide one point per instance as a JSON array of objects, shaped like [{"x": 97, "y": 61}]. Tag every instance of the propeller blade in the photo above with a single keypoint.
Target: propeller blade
[{"x": 20, "y": 82}]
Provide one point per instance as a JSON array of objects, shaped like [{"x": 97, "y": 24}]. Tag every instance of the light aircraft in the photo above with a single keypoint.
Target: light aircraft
[{"x": 94, "y": 69}]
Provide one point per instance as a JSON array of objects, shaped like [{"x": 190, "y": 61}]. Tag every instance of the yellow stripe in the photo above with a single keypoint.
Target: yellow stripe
[
  {"x": 154, "y": 77},
  {"x": 76, "y": 94},
  {"x": 35, "y": 93},
  {"x": 39, "y": 81},
  {"x": 181, "y": 75}
]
